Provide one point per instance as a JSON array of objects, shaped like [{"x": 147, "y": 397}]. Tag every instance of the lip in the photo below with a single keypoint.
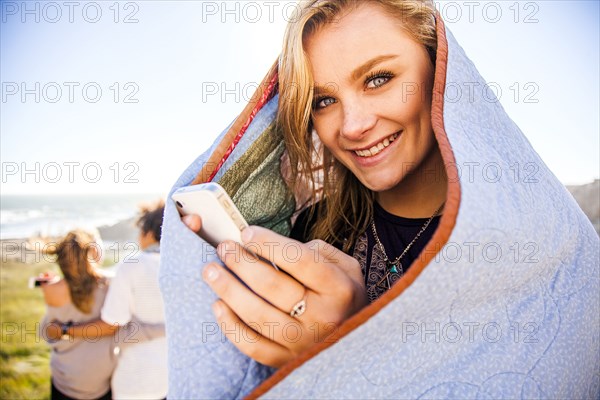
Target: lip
[
  {"x": 378, "y": 141},
  {"x": 373, "y": 160}
]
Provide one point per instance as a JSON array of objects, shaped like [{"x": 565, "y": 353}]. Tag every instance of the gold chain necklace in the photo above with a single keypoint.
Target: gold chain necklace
[{"x": 395, "y": 266}]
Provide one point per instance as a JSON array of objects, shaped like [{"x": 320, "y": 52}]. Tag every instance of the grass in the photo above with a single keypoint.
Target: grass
[
  {"x": 24, "y": 370},
  {"x": 24, "y": 355}
]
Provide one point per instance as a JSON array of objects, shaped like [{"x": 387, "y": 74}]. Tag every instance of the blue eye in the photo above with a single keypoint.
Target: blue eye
[
  {"x": 378, "y": 79},
  {"x": 324, "y": 102}
]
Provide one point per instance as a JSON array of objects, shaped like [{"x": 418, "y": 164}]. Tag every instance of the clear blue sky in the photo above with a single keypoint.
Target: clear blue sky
[{"x": 173, "y": 56}]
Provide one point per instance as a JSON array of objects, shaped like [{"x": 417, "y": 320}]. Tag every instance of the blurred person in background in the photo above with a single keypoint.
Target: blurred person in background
[
  {"x": 134, "y": 296},
  {"x": 80, "y": 368}
]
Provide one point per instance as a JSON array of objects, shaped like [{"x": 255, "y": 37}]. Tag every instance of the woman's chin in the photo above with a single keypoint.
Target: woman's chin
[{"x": 379, "y": 183}]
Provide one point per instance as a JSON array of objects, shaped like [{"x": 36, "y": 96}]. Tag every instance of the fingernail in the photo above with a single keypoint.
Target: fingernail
[
  {"x": 218, "y": 310},
  {"x": 187, "y": 219},
  {"x": 247, "y": 234},
  {"x": 211, "y": 273}
]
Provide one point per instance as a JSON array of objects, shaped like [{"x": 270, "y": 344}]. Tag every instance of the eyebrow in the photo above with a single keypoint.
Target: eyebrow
[{"x": 361, "y": 70}]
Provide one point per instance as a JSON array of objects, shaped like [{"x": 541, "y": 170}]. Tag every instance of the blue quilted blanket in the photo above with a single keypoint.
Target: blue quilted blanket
[{"x": 508, "y": 307}]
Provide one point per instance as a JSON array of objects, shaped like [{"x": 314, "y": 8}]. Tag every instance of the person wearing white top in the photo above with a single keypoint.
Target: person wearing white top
[
  {"x": 141, "y": 372},
  {"x": 134, "y": 294}
]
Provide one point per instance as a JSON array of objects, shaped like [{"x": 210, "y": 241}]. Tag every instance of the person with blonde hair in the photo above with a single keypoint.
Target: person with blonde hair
[
  {"x": 399, "y": 277},
  {"x": 81, "y": 368}
]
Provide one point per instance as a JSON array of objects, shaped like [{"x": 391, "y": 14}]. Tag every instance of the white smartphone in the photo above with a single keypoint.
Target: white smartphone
[{"x": 221, "y": 219}]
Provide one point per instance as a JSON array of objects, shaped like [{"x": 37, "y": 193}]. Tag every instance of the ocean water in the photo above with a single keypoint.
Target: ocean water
[{"x": 54, "y": 215}]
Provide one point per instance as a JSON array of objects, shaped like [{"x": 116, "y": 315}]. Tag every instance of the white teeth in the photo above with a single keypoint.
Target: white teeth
[{"x": 377, "y": 148}]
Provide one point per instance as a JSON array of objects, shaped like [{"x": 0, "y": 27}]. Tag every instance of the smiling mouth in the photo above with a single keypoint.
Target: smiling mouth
[{"x": 378, "y": 148}]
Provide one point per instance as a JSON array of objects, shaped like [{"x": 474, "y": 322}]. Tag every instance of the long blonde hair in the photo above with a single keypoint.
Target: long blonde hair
[
  {"x": 349, "y": 203},
  {"x": 73, "y": 257}
]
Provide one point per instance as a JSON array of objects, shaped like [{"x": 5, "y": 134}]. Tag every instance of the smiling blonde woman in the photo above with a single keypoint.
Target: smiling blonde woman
[{"x": 403, "y": 277}]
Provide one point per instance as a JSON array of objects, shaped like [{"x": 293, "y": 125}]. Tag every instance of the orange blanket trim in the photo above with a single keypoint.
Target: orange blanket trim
[
  {"x": 267, "y": 89},
  {"x": 439, "y": 239}
]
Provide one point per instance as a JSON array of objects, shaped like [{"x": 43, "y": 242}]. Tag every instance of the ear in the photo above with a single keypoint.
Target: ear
[{"x": 147, "y": 239}]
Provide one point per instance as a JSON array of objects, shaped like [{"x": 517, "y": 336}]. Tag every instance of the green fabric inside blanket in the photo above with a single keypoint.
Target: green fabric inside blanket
[{"x": 256, "y": 186}]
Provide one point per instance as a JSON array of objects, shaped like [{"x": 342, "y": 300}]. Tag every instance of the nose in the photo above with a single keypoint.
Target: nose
[{"x": 358, "y": 120}]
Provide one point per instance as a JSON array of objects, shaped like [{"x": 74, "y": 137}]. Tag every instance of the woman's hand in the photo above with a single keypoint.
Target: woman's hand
[
  {"x": 54, "y": 330},
  {"x": 46, "y": 277},
  {"x": 321, "y": 285}
]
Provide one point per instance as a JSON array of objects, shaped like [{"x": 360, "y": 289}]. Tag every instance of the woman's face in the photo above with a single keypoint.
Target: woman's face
[{"x": 372, "y": 106}]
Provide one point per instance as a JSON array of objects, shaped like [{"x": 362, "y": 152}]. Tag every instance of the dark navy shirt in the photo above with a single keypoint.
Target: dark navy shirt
[{"x": 394, "y": 232}]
